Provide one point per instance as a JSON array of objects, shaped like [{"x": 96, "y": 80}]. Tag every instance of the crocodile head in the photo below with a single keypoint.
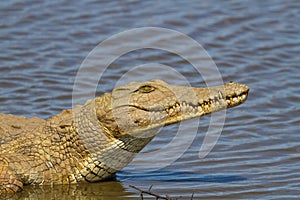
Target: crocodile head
[
  {"x": 116, "y": 126},
  {"x": 140, "y": 107}
]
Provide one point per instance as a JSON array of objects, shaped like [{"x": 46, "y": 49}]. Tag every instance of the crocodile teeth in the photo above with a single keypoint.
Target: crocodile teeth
[
  {"x": 184, "y": 108},
  {"x": 220, "y": 95}
]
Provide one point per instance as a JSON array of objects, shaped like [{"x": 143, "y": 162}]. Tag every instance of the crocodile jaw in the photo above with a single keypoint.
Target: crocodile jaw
[
  {"x": 209, "y": 100},
  {"x": 141, "y": 107}
]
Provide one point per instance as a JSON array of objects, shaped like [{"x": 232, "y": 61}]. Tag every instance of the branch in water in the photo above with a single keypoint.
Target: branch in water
[{"x": 157, "y": 196}]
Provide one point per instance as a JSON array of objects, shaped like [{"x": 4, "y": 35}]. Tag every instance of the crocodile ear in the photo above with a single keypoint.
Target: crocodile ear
[{"x": 64, "y": 126}]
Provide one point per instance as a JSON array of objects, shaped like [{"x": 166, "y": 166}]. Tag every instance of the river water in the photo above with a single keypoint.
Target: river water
[{"x": 257, "y": 156}]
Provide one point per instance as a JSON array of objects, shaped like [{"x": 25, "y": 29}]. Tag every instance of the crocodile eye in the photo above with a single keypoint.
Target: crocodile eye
[{"x": 146, "y": 89}]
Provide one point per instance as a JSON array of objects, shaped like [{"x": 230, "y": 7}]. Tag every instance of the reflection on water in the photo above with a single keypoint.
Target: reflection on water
[
  {"x": 257, "y": 155},
  {"x": 106, "y": 190}
]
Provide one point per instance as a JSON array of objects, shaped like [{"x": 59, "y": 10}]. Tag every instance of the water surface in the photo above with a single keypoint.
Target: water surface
[{"x": 256, "y": 43}]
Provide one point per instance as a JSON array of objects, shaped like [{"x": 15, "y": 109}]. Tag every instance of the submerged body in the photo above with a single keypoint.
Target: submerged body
[{"x": 92, "y": 142}]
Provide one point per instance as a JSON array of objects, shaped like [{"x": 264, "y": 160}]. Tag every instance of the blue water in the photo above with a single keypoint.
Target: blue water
[{"x": 257, "y": 156}]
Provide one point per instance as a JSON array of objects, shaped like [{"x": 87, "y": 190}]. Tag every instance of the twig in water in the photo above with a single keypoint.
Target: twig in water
[
  {"x": 149, "y": 193},
  {"x": 157, "y": 196}
]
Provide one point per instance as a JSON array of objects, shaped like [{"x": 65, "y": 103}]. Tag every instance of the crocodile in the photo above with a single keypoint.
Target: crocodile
[{"x": 92, "y": 142}]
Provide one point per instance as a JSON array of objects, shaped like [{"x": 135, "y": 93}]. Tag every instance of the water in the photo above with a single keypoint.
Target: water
[{"x": 256, "y": 43}]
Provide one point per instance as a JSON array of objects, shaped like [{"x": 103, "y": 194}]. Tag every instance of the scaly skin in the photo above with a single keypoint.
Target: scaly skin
[{"x": 92, "y": 142}]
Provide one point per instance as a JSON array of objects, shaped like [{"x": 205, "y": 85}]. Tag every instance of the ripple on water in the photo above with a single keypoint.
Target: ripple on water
[{"x": 257, "y": 154}]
